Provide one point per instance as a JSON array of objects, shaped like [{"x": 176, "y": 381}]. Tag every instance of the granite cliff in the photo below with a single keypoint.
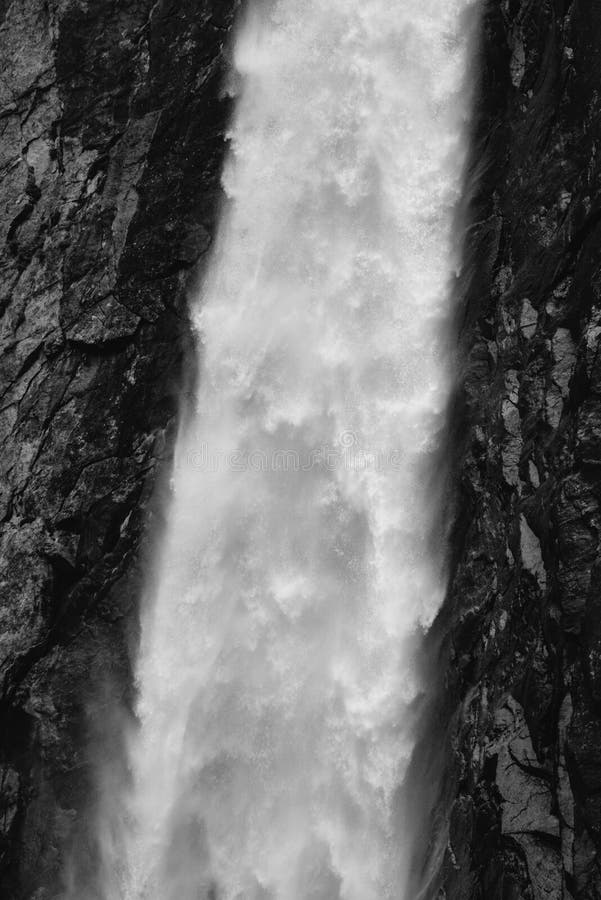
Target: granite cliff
[
  {"x": 111, "y": 139},
  {"x": 521, "y": 630},
  {"x": 112, "y": 124}
]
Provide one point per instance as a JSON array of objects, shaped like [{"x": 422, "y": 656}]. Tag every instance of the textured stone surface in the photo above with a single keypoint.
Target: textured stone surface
[
  {"x": 111, "y": 139},
  {"x": 111, "y": 129},
  {"x": 521, "y": 631}
]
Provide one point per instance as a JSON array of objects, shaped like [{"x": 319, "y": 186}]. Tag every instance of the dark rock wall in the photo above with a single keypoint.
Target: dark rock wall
[
  {"x": 111, "y": 140},
  {"x": 522, "y": 626}
]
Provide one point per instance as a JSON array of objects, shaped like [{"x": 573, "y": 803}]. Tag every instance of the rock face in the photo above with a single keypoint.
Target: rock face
[
  {"x": 111, "y": 139},
  {"x": 112, "y": 119},
  {"x": 521, "y": 631}
]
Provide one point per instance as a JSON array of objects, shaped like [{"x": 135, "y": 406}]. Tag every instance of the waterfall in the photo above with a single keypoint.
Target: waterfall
[{"x": 303, "y": 551}]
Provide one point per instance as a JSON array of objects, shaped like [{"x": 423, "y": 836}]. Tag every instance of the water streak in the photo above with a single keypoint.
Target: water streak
[{"x": 275, "y": 670}]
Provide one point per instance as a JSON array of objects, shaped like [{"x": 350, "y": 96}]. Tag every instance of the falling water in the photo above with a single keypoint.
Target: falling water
[{"x": 275, "y": 670}]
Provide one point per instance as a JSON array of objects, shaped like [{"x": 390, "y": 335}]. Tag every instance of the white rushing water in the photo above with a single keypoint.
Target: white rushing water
[{"x": 275, "y": 669}]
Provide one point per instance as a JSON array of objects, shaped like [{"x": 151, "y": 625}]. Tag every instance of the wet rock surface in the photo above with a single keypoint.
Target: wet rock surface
[
  {"x": 112, "y": 119},
  {"x": 111, "y": 140},
  {"x": 521, "y": 630}
]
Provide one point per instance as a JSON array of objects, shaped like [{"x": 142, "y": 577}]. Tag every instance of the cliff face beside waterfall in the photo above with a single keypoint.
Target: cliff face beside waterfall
[
  {"x": 111, "y": 138},
  {"x": 111, "y": 142},
  {"x": 522, "y": 625}
]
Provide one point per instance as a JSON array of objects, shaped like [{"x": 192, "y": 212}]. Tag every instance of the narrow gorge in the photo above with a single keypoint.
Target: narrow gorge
[{"x": 291, "y": 187}]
